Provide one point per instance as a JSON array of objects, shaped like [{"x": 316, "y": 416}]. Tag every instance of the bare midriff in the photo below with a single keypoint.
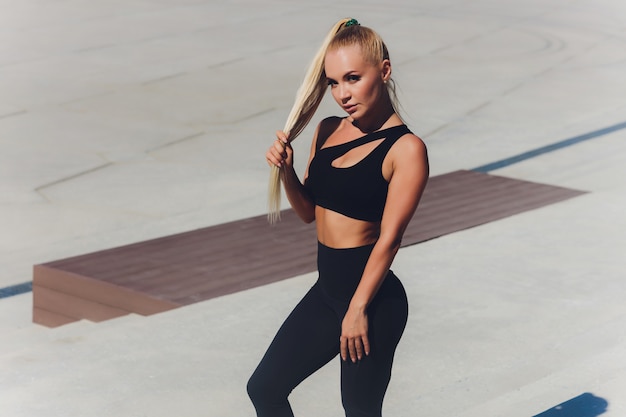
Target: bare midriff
[{"x": 338, "y": 231}]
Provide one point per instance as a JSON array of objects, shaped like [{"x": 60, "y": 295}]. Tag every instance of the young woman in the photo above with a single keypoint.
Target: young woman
[{"x": 365, "y": 176}]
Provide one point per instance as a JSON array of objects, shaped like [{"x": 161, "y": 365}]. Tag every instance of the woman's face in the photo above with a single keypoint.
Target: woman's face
[{"x": 356, "y": 84}]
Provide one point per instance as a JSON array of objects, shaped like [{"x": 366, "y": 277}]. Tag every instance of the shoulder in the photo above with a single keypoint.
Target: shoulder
[
  {"x": 331, "y": 121},
  {"x": 328, "y": 125},
  {"x": 409, "y": 155},
  {"x": 325, "y": 128},
  {"x": 409, "y": 145}
]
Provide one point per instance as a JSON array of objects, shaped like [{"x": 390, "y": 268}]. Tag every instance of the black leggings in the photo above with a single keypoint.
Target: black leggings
[{"x": 309, "y": 338}]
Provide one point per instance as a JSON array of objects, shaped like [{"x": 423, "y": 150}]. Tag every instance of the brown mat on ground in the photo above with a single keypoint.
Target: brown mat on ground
[{"x": 173, "y": 271}]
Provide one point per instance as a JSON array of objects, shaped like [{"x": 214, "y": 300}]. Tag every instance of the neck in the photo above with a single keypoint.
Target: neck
[{"x": 378, "y": 120}]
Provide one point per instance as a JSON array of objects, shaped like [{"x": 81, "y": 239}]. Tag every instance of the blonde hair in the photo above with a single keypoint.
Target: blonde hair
[{"x": 344, "y": 33}]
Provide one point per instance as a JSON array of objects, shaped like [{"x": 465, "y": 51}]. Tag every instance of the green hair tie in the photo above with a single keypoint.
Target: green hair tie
[{"x": 352, "y": 22}]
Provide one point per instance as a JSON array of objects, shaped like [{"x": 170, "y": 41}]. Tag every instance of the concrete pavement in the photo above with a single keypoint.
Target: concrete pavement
[{"x": 123, "y": 121}]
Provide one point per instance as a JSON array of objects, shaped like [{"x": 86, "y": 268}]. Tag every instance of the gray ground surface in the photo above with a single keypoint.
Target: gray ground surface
[{"x": 126, "y": 120}]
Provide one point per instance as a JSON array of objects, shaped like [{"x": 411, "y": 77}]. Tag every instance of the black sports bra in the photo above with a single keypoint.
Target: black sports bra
[{"x": 358, "y": 191}]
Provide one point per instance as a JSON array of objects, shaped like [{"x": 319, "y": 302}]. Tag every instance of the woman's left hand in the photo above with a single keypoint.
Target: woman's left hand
[{"x": 354, "y": 342}]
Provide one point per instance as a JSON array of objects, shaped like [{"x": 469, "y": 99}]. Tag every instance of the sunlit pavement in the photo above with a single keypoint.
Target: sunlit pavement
[{"x": 122, "y": 121}]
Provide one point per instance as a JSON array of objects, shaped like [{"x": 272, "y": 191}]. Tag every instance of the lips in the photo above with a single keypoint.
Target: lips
[{"x": 350, "y": 109}]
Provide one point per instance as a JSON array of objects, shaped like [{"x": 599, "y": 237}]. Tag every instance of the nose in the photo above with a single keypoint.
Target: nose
[{"x": 344, "y": 93}]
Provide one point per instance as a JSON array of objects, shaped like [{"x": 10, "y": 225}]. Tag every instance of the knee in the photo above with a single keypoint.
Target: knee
[
  {"x": 264, "y": 393},
  {"x": 256, "y": 389}
]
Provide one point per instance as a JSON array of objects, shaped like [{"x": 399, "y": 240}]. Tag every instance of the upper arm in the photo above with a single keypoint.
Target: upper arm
[{"x": 409, "y": 175}]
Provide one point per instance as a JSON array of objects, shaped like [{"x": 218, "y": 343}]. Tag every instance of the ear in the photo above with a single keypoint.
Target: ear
[{"x": 385, "y": 72}]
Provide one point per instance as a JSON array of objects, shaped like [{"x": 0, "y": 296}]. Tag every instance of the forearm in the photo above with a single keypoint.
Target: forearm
[
  {"x": 298, "y": 196},
  {"x": 376, "y": 270}
]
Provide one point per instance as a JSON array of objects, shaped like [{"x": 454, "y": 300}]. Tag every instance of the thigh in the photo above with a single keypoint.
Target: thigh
[
  {"x": 363, "y": 384},
  {"x": 388, "y": 314},
  {"x": 307, "y": 340}
]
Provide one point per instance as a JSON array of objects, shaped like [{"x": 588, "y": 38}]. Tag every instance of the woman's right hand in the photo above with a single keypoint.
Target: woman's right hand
[{"x": 280, "y": 154}]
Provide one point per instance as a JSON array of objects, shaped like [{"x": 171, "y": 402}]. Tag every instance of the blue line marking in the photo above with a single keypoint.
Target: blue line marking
[
  {"x": 28, "y": 286},
  {"x": 549, "y": 148},
  {"x": 16, "y": 290}
]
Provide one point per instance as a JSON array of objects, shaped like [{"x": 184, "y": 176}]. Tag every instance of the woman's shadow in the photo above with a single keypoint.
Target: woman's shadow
[{"x": 585, "y": 405}]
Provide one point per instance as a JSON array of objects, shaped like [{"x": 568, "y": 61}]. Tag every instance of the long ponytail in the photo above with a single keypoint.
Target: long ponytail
[{"x": 308, "y": 99}]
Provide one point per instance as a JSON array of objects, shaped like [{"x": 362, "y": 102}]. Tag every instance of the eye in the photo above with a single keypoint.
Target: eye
[
  {"x": 332, "y": 83},
  {"x": 353, "y": 78}
]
